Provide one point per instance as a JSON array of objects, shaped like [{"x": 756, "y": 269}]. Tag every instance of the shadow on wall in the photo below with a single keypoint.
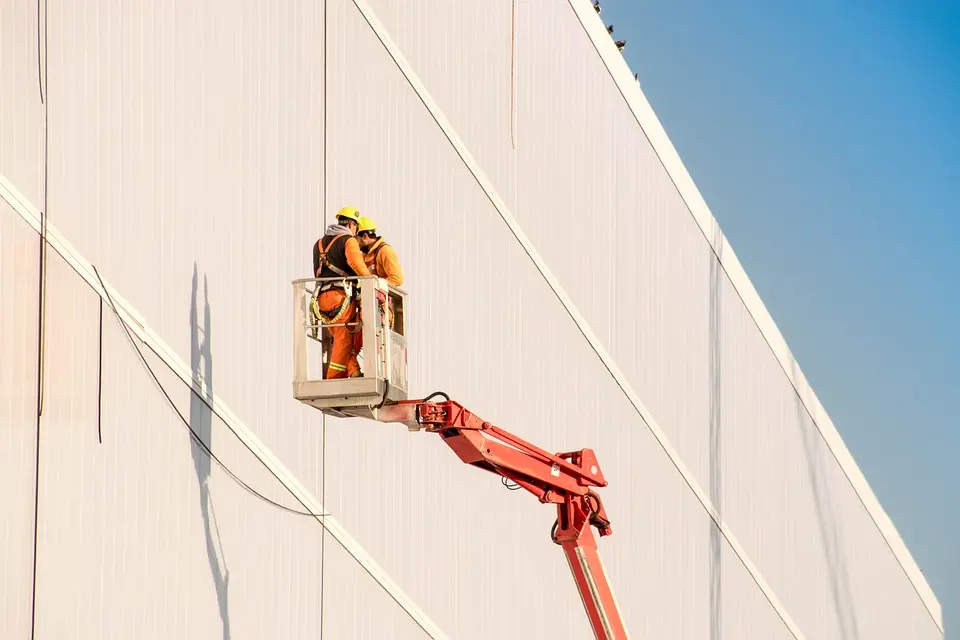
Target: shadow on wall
[
  {"x": 716, "y": 461},
  {"x": 843, "y": 602},
  {"x": 201, "y": 420}
]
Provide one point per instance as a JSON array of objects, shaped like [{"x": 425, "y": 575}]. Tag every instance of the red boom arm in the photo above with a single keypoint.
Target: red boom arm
[{"x": 563, "y": 479}]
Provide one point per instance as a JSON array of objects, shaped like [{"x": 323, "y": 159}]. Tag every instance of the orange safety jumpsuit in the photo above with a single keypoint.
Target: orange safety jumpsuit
[
  {"x": 339, "y": 255},
  {"x": 381, "y": 259}
]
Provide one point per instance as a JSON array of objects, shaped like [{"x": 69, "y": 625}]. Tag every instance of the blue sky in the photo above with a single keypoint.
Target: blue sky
[{"x": 825, "y": 138}]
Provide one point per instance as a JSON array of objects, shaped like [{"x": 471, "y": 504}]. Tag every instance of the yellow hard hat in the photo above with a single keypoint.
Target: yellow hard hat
[
  {"x": 350, "y": 213},
  {"x": 366, "y": 224}
]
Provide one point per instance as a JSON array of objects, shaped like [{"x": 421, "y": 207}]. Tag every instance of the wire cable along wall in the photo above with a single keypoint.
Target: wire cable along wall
[{"x": 140, "y": 331}]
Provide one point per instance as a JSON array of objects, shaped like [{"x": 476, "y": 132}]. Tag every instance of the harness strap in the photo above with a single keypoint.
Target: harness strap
[
  {"x": 337, "y": 316},
  {"x": 323, "y": 257},
  {"x": 376, "y": 254}
]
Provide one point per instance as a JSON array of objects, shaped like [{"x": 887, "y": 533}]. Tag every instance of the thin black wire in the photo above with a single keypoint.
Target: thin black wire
[
  {"x": 100, "y": 378},
  {"x": 386, "y": 392},
  {"x": 44, "y": 214},
  {"x": 39, "y": 57},
  {"x": 183, "y": 419},
  {"x": 36, "y": 469},
  {"x": 509, "y": 484},
  {"x": 41, "y": 279}
]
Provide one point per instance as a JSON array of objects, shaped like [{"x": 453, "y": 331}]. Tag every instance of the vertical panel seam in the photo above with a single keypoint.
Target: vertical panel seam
[{"x": 323, "y": 417}]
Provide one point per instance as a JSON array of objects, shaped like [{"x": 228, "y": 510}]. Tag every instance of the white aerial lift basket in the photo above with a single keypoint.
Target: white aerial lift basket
[{"x": 383, "y": 356}]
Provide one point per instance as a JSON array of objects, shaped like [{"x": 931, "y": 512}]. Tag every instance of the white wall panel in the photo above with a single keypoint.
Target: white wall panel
[
  {"x": 647, "y": 260},
  {"x": 192, "y": 147},
  {"x": 144, "y": 536},
  {"x": 21, "y": 109},
  {"x": 812, "y": 534},
  {"x": 491, "y": 334},
  {"x": 355, "y": 607},
  {"x": 188, "y": 164},
  {"x": 465, "y": 53},
  {"x": 19, "y": 249},
  {"x": 638, "y": 269}
]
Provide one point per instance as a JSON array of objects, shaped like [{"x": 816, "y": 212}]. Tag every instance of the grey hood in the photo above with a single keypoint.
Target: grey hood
[{"x": 336, "y": 229}]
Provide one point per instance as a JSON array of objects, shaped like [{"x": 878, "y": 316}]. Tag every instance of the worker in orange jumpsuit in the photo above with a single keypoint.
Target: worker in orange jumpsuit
[
  {"x": 381, "y": 259},
  {"x": 338, "y": 254}
]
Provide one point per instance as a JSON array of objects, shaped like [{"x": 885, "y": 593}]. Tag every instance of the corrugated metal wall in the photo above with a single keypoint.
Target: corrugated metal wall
[
  {"x": 21, "y": 109},
  {"x": 19, "y": 255},
  {"x": 194, "y": 146},
  {"x": 187, "y": 162},
  {"x": 141, "y": 534},
  {"x": 688, "y": 345}
]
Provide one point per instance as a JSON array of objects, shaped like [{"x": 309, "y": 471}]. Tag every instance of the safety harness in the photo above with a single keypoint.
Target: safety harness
[
  {"x": 324, "y": 261},
  {"x": 373, "y": 261},
  {"x": 334, "y": 316}
]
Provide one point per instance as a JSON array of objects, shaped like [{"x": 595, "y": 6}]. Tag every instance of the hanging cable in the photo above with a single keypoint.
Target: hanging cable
[
  {"x": 183, "y": 419},
  {"x": 39, "y": 55},
  {"x": 509, "y": 484},
  {"x": 41, "y": 309},
  {"x": 44, "y": 214}
]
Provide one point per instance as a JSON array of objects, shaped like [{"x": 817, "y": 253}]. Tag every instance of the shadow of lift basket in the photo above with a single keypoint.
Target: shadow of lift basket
[{"x": 383, "y": 357}]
